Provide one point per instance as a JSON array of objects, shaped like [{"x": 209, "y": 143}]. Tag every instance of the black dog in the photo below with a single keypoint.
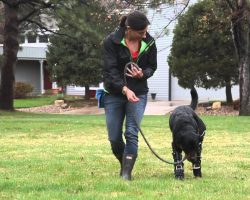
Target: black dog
[{"x": 188, "y": 131}]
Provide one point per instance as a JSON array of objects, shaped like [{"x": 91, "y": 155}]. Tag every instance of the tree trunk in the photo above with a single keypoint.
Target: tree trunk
[
  {"x": 10, "y": 49},
  {"x": 229, "y": 92},
  {"x": 241, "y": 36},
  {"x": 245, "y": 87},
  {"x": 87, "y": 93}
]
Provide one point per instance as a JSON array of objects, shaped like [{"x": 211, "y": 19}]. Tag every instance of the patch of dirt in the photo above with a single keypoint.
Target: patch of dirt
[
  {"x": 74, "y": 106},
  {"x": 224, "y": 110},
  {"x": 46, "y": 109},
  {"x": 79, "y": 103}
]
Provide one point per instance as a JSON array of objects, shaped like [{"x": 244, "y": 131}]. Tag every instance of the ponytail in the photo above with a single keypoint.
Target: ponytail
[{"x": 123, "y": 21}]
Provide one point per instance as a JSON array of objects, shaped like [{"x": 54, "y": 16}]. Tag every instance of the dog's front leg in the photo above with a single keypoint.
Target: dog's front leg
[
  {"x": 178, "y": 168},
  {"x": 197, "y": 164}
]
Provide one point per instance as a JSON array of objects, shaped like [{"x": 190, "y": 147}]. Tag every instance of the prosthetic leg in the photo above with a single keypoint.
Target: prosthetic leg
[
  {"x": 178, "y": 168},
  {"x": 197, "y": 164}
]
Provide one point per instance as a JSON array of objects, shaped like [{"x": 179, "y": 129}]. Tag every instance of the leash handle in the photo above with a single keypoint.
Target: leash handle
[{"x": 126, "y": 69}]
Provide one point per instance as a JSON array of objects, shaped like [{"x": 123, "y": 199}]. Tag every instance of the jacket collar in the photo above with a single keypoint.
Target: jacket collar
[{"x": 119, "y": 33}]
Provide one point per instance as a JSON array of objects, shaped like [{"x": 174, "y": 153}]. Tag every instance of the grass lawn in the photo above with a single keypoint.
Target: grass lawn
[
  {"x": 68, "y": 157},
  {"x": 46, "y": 100},
  {"x": 34, "y": 102}
]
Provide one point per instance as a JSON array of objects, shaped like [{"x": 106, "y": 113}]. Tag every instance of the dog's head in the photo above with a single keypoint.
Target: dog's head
[{"x": 189, "y": 142}]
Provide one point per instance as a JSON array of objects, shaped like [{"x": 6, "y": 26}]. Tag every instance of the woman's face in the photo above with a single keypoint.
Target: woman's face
[{"x": 137, "y": 35}]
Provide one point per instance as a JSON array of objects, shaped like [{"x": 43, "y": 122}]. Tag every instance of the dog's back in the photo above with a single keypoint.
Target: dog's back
[{"x": 184, "y": 114}]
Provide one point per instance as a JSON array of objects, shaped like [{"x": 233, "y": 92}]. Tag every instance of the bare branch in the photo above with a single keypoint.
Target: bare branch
[
  {"x": 34, "y": 3},
  {"x": 45, "y": 29},
  {"x": 185, "y": 6},
  {"x": 6, "y": 2},
  {"x": 28, "y": 15},
  {"x": 22, "y": 1}
]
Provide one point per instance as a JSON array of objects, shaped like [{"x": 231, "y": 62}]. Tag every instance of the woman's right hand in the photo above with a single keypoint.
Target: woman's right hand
[{"x": 130, "y": 95}]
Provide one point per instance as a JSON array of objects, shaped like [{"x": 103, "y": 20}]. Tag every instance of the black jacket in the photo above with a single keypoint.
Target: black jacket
[{"x": 117, "y": 55}]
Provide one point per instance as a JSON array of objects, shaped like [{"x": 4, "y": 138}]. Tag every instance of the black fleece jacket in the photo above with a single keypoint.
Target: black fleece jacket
[{"x": 117, "y": 55}]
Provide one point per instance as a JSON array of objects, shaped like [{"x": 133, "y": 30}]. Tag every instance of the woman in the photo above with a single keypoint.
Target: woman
[{"x": 126, "y": 93}]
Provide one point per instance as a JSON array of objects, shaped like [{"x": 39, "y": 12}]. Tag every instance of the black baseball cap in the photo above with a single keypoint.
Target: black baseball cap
[{"x": 137, "y": 20}]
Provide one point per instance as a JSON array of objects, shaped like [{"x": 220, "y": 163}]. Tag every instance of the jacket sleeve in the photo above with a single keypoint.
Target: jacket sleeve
[
  {"x": 152, "y": 62},
  {"x": 113, "y": 77}
]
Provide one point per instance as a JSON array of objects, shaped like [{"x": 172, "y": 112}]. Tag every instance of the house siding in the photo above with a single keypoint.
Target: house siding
[
  {"x": 32, "y": 53},
  {"x": 79, "y": 91},
  {"x": 27, "y": 68},
  {"x": 178, "y": 93},
  {"x": 159, "y": 82},
  {"x": 75, "y": 90},
  {"x": 29, "y": 71}
]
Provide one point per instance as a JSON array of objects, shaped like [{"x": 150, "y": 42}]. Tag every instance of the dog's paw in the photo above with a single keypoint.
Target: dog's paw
[
  {"x": 179, "y": 172},
  {"x": 179, "y": 177},
  {"x": 197, "y": 173},
  {"x": 197, "y": 170}
]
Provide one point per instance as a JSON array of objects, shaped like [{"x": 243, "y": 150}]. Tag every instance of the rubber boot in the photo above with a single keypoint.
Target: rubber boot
[
  {"x": 178, "y": 168},
  {"x": 128, "y": 162},
  {"x": 119, "y": 158},
  {"x": 118, "y": 149}
]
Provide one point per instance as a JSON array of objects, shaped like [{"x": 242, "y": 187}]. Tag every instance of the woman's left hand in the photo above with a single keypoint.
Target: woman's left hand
[{"x": 134, "y": 72}]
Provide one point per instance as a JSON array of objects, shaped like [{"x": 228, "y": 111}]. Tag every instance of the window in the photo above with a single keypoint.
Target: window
[
  {"x": 21, "y": 39},
  {"x": 31, "y": 39},
  {"x": 43, "y": 38}
]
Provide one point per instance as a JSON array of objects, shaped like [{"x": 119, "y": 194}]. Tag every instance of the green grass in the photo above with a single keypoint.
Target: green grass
[
  {"x": 69, "y": 157},
  {"x": 34, "y": 102},
  {"x": 41, "y": 101}
]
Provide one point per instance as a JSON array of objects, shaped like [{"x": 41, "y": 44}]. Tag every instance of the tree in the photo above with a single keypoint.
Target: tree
[
  {"x": 15, "y": 13},
  {"x": 203, "y": 53},
  {"x": 1, "y": 23},
  {"x": 76, "y": 58},
  {"x": 240, "y": 19}
]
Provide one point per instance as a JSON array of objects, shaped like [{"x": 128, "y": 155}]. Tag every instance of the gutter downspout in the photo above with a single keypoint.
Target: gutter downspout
[
  {"x": 41, "y": 77},
  {"x": 169, "y": 85}
]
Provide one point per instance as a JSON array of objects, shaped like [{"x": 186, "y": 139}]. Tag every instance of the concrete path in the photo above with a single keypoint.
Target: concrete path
[
  {"x": 153, "y": 108},
  {"x": 162, "y": 107}
]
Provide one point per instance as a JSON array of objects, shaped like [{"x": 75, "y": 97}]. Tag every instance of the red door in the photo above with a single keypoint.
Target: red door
[{"x": 47, "y": 81}]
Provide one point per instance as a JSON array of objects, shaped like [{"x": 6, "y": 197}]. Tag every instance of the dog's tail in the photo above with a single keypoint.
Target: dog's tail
[{"x": 194, "y": 96}]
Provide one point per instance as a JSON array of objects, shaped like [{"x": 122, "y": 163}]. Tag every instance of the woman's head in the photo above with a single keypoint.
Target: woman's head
[{"x": 136, "y": 23}]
